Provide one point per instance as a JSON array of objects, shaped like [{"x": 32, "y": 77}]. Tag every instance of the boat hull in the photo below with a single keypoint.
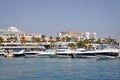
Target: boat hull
[
  {"x": 18, "y": 55},
  {"x": 85, "y": 55},
  {"x": 107, "y": 55},
  {"x": 41, "y": 54},
  {"x": 65, "y": 55}
]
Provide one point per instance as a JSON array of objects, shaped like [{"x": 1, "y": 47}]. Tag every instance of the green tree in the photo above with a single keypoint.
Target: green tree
[
  {"x": 68, "y": 39},
  {"x": 86, "y": 41},
  {"x": 71, "y": 45},
  {"x": 81, "y": 44},
  {"x": 109, "y": 40},
  {"x": 59, "y": 45},
  {"x": 99, "y": 41}
]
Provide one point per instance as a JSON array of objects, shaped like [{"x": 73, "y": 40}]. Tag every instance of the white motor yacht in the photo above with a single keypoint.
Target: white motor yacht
[
  {"x": 64, "y": 53},
  {"x": 39, "y": 53}
]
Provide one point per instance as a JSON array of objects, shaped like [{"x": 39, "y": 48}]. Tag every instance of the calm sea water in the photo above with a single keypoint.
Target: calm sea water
[{"x": 58, "y": 69}]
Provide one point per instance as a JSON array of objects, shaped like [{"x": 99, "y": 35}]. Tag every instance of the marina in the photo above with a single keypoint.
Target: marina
[
  {"x": 59, "y": 39},
  {"x": 12, "y": 50},
  {"x": 16, "y": 43},
  {"x": 34, "y": 57}
]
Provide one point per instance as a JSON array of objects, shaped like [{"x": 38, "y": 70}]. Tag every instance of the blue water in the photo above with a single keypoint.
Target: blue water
[{"x": 58, "y": 69}]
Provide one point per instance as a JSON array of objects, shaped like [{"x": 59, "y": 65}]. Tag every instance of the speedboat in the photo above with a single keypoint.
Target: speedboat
[
  {"x": 85, "y": 54},
  {"x": 99, "y": 53},
  {"x": 19, "y": 54},
  {"x": 107, "y": 53},
  {"x": 11, "y": 53},
  {"x": 64, "y": 53},
  {"x": 35, "y": 53},
  {"x": 77, "y": 53}
]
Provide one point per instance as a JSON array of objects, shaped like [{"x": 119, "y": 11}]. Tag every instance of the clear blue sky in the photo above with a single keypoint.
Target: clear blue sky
[{"x": 51, "y": 16}]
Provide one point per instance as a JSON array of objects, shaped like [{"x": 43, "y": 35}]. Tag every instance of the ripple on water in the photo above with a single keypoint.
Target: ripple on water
[{"x": 58, "y": 69}]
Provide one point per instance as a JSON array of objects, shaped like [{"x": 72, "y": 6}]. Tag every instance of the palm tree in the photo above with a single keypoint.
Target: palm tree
[
  {"x": 37, "y": 39},
  {"x": 43, "y": 38},
  {"x": 68, "y": 39},
  {"x": 52, "y": 45},
  {"x": 50, "y": 39},
  {"x": 33, "y": 39},
  {"x": 23, "y": 40},
  {"x": 63, "y": 39},
  {"x": 15, "y": 39},
  {"x": 57, "y": 39},
  {"x": 8, "y": 39},
  {"x": 1, "y": 40},
  {"x": 12, "y": 39}
]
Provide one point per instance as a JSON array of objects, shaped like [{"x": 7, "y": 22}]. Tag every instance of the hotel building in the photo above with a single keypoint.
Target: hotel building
[{"x": 14, "y": 32}]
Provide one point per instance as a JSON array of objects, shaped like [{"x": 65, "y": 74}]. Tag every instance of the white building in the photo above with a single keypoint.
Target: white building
[
  {"x": 11, "y": 31},
  {"x": 78, "y": 35},
  {"x": 63, "y": 34},
  {"x": 88, "y": 35},
  {"x": 93, "y": 35},
  {"x": 14, "y": 32},
  {"x": 29, "y": 37}
]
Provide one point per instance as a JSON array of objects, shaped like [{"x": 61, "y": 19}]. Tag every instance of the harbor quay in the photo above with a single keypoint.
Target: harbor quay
[
  {"x": 73, "y": 44},
  {"x": 63, "y": 51}
]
